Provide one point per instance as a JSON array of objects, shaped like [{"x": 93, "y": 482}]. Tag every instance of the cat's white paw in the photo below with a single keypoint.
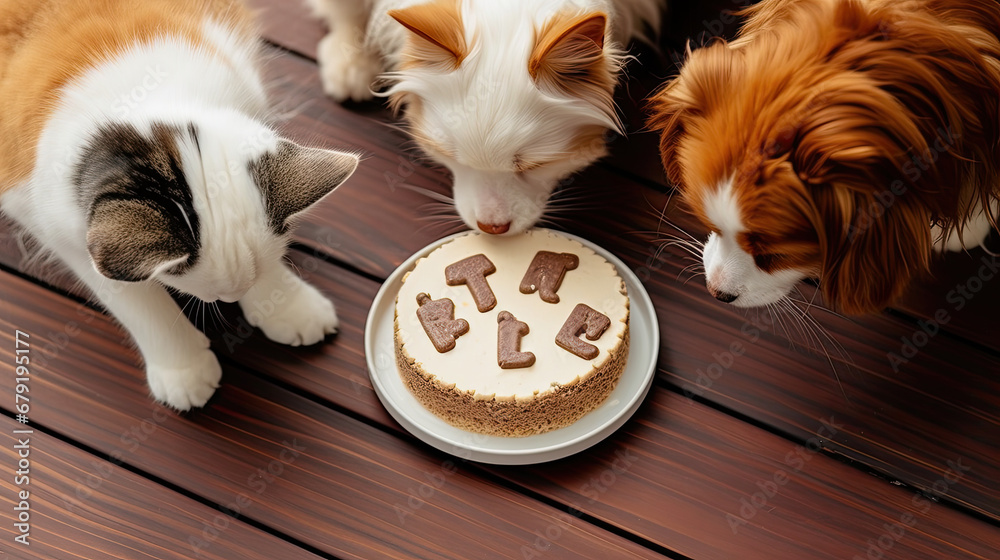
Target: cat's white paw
[
  {"x": 188, "y": 386},
  {"x": 346, "y": 67},
  {"x": 303, "y": 319}
]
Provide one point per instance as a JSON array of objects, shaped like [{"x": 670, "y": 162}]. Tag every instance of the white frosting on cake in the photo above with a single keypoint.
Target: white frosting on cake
[{"x": 472, "y": 365}]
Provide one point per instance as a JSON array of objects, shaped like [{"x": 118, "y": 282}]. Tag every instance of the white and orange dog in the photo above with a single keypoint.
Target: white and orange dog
[
  {"x": 843, "y": 140},
  {"x": 511, "y": 96}
]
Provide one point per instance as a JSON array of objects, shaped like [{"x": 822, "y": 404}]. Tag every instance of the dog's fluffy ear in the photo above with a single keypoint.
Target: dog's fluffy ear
[
  {"x": 869, "y": 263},
  {"x": 437, "y": 34},
  {"x": 702, "y": 85},
  {"x": 850, "y": 152}
]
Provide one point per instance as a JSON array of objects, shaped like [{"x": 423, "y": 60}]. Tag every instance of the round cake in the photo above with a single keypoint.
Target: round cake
[{"x": 512, "y": 336}]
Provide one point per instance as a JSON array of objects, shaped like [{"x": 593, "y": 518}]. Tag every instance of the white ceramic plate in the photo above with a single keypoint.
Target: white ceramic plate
[{"x": 600, "y": 423}]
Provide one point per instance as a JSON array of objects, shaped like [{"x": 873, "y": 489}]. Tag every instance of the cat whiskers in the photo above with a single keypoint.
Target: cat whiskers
[
  {"x": 199, "y": 313},
  {"x": 434, "y": 195},
  {"x": 182, "y": 312},
  {"x": 439, "y": 214},
  {"x": 440, "y": 217},
  {"x": 560, "y": 203},
  {"x": 218, "y": 314}
]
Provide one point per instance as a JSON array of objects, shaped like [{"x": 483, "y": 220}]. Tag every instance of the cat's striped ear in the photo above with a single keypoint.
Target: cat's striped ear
[{"x": 293, "y": 178}]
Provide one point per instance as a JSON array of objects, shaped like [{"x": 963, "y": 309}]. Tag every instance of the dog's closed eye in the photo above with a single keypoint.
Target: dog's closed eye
[
  {"x": 768, "y": 262},
  {"x": 782, "y": 143}
]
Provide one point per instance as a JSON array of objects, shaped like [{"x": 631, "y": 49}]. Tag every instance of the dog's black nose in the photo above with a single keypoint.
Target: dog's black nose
[{"x": 725, "y": 297}]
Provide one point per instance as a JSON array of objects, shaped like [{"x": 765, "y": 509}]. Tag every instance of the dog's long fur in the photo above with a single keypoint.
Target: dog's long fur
[
  {"x": 510, "y": 96},
  {"x": 838, "y": 139}
]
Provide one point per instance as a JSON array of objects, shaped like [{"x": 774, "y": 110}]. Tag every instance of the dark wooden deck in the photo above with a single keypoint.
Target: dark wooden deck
[{"x": 764, "y": 455}]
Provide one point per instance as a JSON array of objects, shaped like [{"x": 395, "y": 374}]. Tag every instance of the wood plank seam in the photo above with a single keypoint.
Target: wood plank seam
[{"x": 119, "y": 462}]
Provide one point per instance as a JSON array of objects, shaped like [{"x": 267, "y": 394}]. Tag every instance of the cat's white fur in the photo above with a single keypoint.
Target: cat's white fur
[
  {"x": 488, "y": 113},
  {"x": 170, "y": 82}
]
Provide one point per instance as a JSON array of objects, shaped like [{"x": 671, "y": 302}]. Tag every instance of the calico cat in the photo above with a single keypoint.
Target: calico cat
[{"x": 133, "y": 147}]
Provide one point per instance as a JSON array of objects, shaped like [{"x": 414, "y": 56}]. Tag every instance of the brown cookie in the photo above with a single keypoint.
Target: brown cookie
[
  {"x": 438, "y": 320},
  {"x": 546, "y": 272},
  {"x": 473, "y": 272},
  {"x": 509, "y": 333},
  {"x": 583, "y": 320}
]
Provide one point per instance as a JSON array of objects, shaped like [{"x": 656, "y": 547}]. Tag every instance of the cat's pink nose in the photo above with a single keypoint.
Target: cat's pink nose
[{"x": 494, "y": 229}]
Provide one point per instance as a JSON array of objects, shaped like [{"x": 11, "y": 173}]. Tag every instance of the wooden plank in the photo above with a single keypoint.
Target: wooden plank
[
  {"x": 289, "y": 24},
  {"x": 671, "y": 476},
  {"x": 335, "y": 483},
  {"x": 714, "y": 487},
  {"x": 83, "y": 506}
]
